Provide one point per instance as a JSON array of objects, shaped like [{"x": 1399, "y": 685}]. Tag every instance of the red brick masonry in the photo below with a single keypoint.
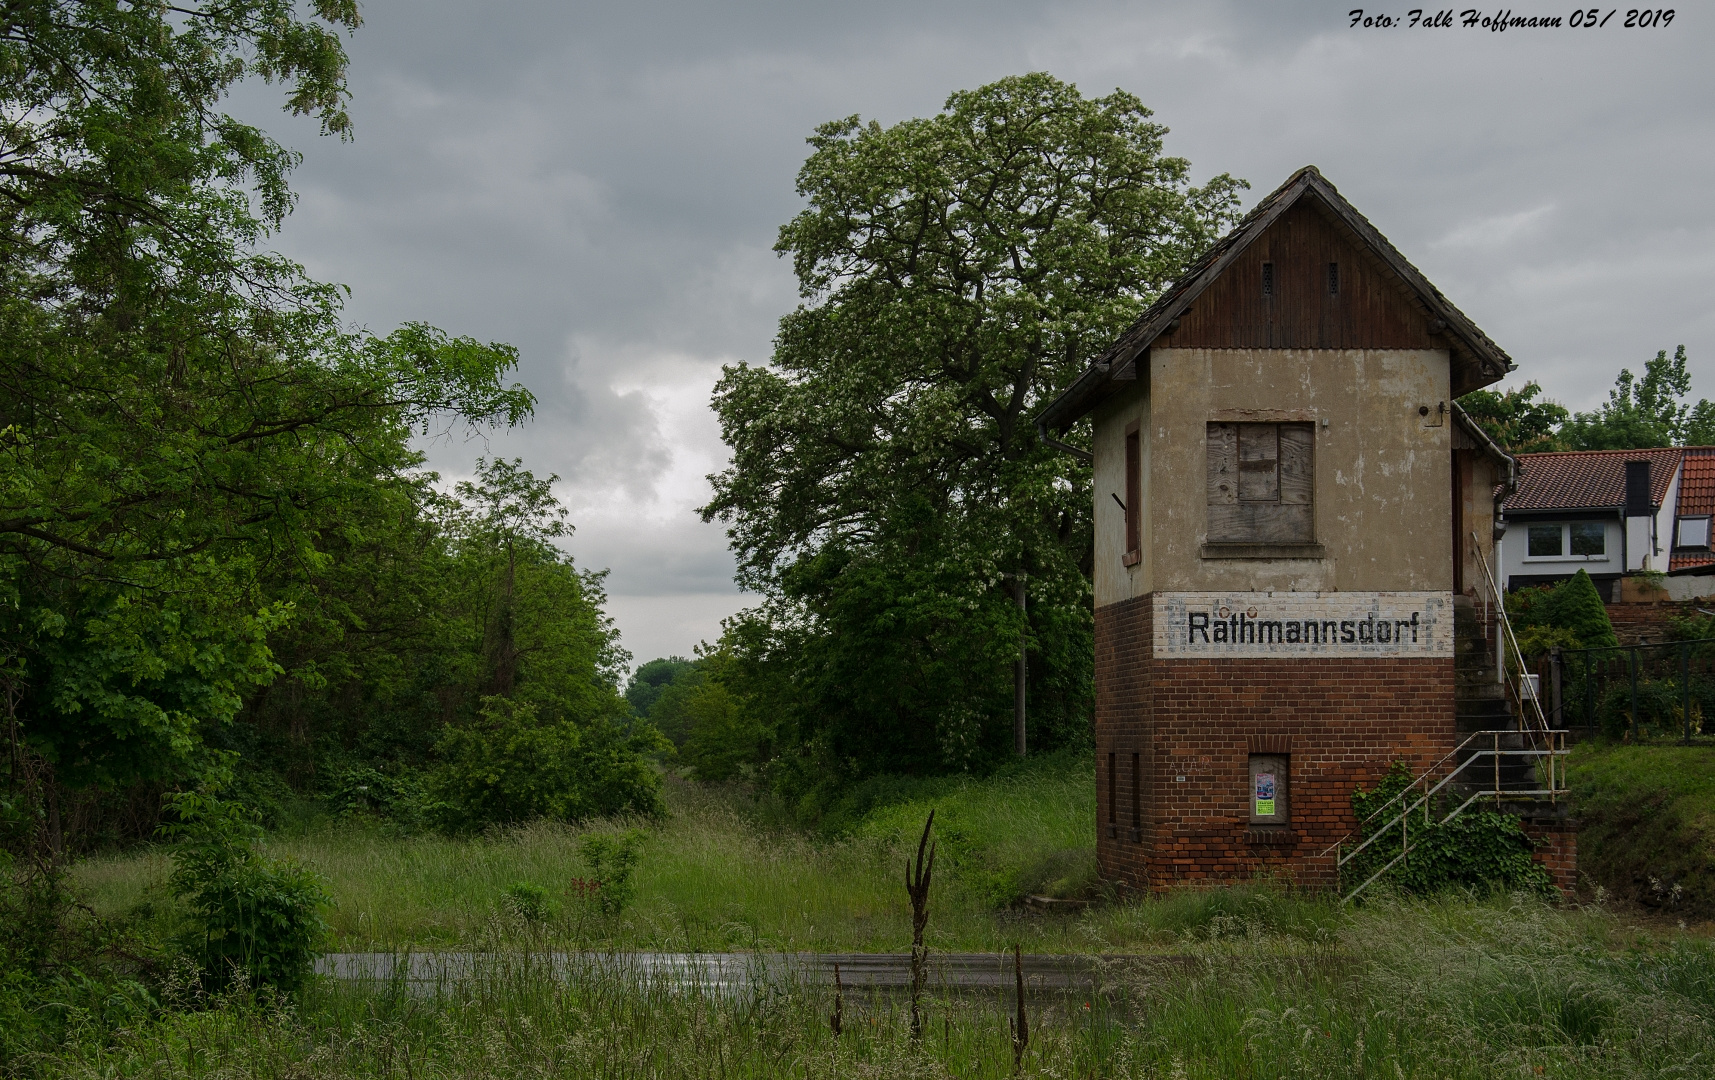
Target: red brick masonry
[
  {"x": 1342, "y": 721},
  {"x": 1557, "y": 850}
]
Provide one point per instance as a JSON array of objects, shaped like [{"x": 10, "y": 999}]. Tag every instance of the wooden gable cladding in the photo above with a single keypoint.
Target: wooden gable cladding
[{"x": 1369, "y": 310}]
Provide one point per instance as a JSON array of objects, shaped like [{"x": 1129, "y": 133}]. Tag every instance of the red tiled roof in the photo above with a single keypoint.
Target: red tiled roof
[
  {"x": 1588, "y": 479},
  {"x": 1696, "y": 497}
]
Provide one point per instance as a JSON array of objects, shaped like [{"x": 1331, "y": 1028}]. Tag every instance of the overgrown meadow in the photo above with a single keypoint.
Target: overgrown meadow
[{"x": 1251, "y": 980}]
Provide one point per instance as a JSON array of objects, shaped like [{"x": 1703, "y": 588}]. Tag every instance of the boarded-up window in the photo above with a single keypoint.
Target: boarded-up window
[
  {"x": 1261, "y": 483},
  {"x": 1133, "y": 489}
]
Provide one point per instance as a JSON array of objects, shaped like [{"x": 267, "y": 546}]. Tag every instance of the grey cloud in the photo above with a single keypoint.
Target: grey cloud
[{"x": 601, "y": 184}]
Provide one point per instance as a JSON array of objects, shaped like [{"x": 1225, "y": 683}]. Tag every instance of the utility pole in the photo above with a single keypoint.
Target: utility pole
[{"x": 1020, "y": 671}]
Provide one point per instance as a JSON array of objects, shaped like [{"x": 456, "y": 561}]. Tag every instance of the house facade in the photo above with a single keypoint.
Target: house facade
[
  {"x": 1289, "y": 511},
  {"x": 1613, "y": 513}
]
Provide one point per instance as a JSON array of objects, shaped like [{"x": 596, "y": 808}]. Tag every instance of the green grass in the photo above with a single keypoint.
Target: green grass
[
  {"x": 720, "y": 874},
  {"x": 1647, "y": 823},
  {"x": 1423, "y": 989},
  {"x": 1260, "y": 981}
]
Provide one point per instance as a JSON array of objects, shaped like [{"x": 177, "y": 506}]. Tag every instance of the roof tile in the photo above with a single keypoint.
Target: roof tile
[
  {"x": 1696, "y": 497},
  {"x": 1588, "y": 479}
]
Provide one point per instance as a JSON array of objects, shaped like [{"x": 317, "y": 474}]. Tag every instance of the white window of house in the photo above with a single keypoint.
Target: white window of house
[
  {"x": 1693, "y": 533},
  {"x": 1544, "y": 541},
  {"x": 1588, "y": 537}
]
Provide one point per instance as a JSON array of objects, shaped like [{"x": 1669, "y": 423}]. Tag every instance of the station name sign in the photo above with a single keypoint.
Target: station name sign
[{"x": 1255, "y": 624}]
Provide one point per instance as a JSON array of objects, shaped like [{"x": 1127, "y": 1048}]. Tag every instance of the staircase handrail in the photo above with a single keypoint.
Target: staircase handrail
[
  {"x": 1430, "y": 771},
  {"x": 1510, "y": 638},
  {"x": 1556, "y": 747}
]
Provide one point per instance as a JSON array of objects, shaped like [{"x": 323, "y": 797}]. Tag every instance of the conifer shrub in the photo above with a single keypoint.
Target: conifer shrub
[
  {"x": 1575, "y": 605},
  {"x": 1569, "y": 615}
]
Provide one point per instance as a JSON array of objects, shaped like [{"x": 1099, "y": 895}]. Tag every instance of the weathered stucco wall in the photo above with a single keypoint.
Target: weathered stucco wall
[
  {"x": 1114, "y": 580},
  {"x": 1383, "y": 476}
]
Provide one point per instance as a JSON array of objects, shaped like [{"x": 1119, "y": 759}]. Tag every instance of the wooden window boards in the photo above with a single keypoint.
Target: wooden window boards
[
  {"x": 1261, "y": 483},
  {"x": 1133, "y": 493}
]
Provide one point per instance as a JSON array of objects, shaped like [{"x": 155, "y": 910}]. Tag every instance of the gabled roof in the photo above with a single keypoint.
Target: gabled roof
[
  {"x": 1588, "y": 479},
  {"x": 1696, "y": 498},
  {"x": 1477, "y": 360}
]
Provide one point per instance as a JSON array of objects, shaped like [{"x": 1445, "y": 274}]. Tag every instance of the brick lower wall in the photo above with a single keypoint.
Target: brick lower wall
[
  {"x": 1636, "y": 622},
  {"x": 1557, "y": 851},
  {"x": 1125, "y": 635},
  {"x": 1342, "y": 721}
]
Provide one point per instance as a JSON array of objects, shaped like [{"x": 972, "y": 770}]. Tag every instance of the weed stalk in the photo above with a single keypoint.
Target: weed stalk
[{"x": 917, "y": 887}]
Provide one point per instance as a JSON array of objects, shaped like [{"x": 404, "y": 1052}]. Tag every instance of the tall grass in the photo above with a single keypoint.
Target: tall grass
[
  {"x": 1447, "y": 988},
  {"x": 720, "y": 873}
]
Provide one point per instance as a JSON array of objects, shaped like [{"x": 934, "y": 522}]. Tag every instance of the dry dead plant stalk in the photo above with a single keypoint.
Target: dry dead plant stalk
[{"x": 917, "y": 886}]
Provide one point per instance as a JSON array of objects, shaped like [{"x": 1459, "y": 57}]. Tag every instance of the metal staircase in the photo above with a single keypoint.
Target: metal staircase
[{"x": 1507, "y": 754}]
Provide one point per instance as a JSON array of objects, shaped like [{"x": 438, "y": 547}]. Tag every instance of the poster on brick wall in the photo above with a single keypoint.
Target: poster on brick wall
[{"x": 1349, "y": 624}]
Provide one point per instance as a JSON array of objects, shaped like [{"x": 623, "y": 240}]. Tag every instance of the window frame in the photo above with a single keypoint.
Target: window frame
[
  {"x": 1565, "y": 531},
  {"x": 1280, "y": 767},
  {"x": 1260, "y": 483},
  {"x": 1133, "y": 553},
  {"x": 1678, "y": 533}
]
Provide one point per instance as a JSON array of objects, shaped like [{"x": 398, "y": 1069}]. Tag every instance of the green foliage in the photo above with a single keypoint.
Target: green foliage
[
  {"x": 190, "y": 431},
  {"x": 653, "y": 679},
  {"x": 530, "y": 902},
  {"x": 510, "y": 765},
  {"x": 1479, "y": 849},
  {"x": 1660, "y": 707},
  {"x": 1647, "y": 412},
  {"x": 1516, "y": 420},
  {"x": 956, "y": 272},
  {"x": 1570, "y": 615},
  {"x": 612, "y": 861},
  {"x": 257, "y": 919},
  {"x": 65, "y": 972},
  {"x": 360, "y": 790}
]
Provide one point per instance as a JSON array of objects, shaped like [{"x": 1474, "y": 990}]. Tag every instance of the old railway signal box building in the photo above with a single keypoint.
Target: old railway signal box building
[{"x": 1287, "y": 504}]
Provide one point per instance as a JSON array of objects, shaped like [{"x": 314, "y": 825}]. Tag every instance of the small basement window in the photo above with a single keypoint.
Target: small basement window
[
  {"x": 1589, "y": 538},
  {"x": 1269, "y": 794},
  {"x": 1543, "y": 541},
  {"x": 1693, "y": 533}
]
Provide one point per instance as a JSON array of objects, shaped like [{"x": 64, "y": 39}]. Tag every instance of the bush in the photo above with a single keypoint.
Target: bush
[
  {"x": 1570, "y": 615},
  {"x": 510, "y": 767},
  {"x": 255, "y": 917},
  {"x": 530, "y": 902},
  {"x": 612, "y": 860},
  {"x": 1480, "y": 849},
  {"x": 1661, "y": 707},
  {"x": 63, "y": 970}
]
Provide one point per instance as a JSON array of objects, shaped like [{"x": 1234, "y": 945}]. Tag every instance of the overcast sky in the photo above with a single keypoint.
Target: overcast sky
[{"x": 600, "y": 185}]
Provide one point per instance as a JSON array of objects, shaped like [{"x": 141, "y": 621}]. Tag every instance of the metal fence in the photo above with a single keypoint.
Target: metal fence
[{"x": 1642, "y": 693}]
